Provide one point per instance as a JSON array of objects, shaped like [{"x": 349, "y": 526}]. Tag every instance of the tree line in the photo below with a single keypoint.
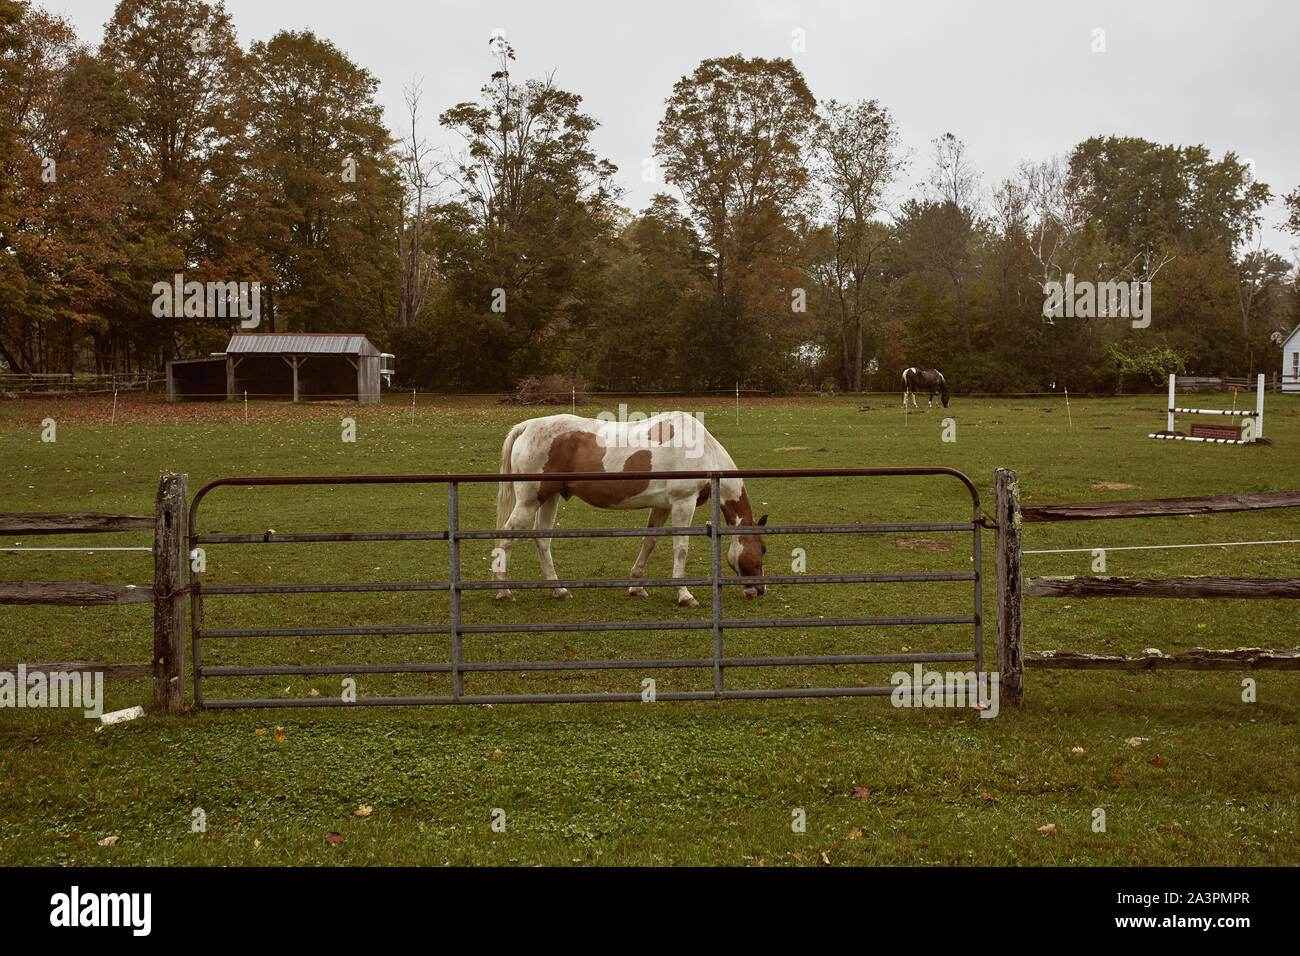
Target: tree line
[{"x": 777, "y": 256}]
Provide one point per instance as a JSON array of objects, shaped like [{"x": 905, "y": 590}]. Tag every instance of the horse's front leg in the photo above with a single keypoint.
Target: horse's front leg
[
  {"x": 657, "y": 517},
  {"x": 682, "y": 512}
]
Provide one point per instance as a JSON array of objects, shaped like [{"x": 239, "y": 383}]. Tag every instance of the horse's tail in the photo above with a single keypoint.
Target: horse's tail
[{"x": 506, "y": 489}]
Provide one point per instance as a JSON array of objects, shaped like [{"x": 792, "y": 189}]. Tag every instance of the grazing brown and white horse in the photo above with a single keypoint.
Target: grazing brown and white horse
[
  {"x": 568, "y": 444},
  {"x": 915, "y": 380}
]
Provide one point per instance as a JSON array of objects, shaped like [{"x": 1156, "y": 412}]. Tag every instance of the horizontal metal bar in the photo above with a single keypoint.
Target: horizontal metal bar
[
  {"x": 583, "y": 533},
  {"x": 398, "y": 586},
  {"x": 481, "y": 478},
  {"x": 701, "y": 582},
  {"x": 590, "y": 665},
  {"x": 282, "y": 669},
  {"x": 278, "y": 538},
  {"x": 769, "y": 694},
  {"x": 580, "y": 626},
  {"x": 324, "y": 631},
  {"x": 919, "y": 576},
  {"x": 1215, "y": 411},
  {"x": 697, "y": 531},
  {"x": 725, "y": 529},
  {"x": 593, "y": 583},
  {"x": 211, "y": 589},
  {"x": 735, "y": 623}
]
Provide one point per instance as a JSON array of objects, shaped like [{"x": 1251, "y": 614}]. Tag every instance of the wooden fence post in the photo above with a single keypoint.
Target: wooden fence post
[
  {"x": 170, "y": 575},
  {"x": 1011, "y": 652}
]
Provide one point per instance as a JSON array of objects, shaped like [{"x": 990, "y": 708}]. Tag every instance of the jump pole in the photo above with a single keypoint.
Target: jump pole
[
  {"x": 1259, "y": 407},
  {"x": 1257, "y": 426}
]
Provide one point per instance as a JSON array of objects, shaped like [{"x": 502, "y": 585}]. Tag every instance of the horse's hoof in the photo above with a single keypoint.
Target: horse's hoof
[
  {"x": 637, "y": 592},
  {"x": 687, "y": 601},
  {"x": 505, "y": 596},
  {"x": 561, "y": 593}
]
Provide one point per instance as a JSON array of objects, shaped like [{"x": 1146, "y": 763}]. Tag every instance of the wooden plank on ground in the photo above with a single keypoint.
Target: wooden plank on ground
[
  {"x": 80, "y": 593},
  {"x": 1152, "y": 507},
  {"x": 1198, "y": 659},
  {"x": 1178, "y": 587},
  {"x": 71, "y": 522}
]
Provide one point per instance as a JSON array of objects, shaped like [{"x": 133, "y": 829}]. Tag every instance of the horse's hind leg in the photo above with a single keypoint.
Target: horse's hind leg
[
  {"x": 657, "y": 517},
  {"x": 521, "y": 516},
  {"x": 545, "y": 522}
]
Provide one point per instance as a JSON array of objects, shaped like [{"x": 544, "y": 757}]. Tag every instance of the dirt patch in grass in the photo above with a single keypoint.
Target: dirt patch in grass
[{"x": 927, "y": 544}]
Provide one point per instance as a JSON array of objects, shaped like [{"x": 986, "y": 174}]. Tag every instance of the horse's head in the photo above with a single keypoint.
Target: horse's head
[
  {"x": 943, "y": 392},
  {"x": 745, "y": 552}
]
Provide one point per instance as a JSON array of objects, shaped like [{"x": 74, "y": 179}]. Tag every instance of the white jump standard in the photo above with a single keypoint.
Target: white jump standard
[{"x": 1250, "y": 432}]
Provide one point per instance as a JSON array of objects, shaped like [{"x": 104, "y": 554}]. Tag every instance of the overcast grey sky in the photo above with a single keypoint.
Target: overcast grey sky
[{"x": 1014, "y": 80}]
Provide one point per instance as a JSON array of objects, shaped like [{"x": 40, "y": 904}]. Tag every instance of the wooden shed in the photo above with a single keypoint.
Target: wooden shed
[{"x": 296, "y": 366}]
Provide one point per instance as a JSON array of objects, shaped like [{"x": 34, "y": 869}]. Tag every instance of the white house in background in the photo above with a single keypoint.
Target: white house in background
[{"x": 1291, "y": 361}]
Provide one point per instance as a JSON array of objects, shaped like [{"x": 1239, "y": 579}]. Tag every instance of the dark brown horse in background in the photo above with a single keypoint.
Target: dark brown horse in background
[{"x": 931, "y": 380}]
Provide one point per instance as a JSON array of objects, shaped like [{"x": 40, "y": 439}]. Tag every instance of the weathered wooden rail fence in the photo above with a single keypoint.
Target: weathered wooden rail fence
[
  {"x": 166, "y": 593},
  {"x": 1012, "y": 587}
]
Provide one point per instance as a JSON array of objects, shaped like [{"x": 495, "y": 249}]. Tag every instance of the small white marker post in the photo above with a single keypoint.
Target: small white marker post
[
  {"x": 737, "y": 403},
  {"x": 573, "y": 399},
  {"x": 1067, "y": 407},
  {"x": 412, "y": 406},
  {"x": 1170, "y": 427},
  {"x": 245, "y": 406},
  {"x": 114, "y": 420}
]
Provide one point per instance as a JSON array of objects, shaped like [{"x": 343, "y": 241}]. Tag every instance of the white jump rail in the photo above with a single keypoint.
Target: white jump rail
[{"x": 1257, "y": 417}]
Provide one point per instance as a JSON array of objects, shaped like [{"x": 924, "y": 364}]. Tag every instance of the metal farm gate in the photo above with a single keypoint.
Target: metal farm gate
[{"x": 455, "y": 626}]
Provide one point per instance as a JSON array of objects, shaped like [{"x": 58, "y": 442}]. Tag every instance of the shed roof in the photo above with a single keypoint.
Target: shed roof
[{"x": 300, "y": 343}]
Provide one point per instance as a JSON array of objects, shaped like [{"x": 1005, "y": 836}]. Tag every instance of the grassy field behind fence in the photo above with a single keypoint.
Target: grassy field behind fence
[{"x": 1184, "y": 770}]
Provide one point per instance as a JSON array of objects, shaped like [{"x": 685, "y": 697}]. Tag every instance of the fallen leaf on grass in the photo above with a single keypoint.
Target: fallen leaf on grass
[
  {"x": 1137, "y": 741},
  {"x": 1048, "y": 829},
  {"x": 854, "y": 833},
  {"x": 363, "y": 811},
  {"x": 1158, "y": 760},
  {"x": 498, "y": 753},
  {"x": 107, "y": 841},
  {"x": 861, "y": 793},
  {"x": 334, "y": 837},
  {"x": 1076, "y": 750},
  {"x": 278, "y": 737},
  {"x": 762, "y": 731},
  {"x": 826, "y": 858},
  {"x": 988, "y": 798},
  {"x": 260, "y": 730}
]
